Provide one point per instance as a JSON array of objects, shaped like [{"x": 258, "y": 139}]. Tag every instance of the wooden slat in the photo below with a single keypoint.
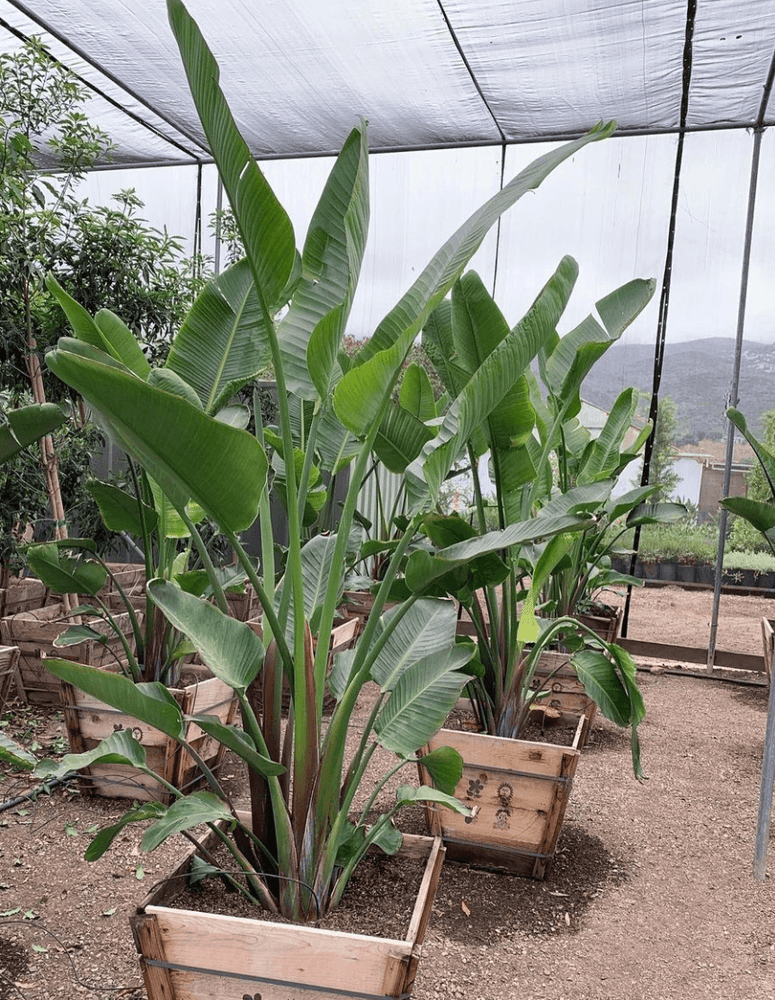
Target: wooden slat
[
  {"x": 768, "y": 641},
  {"x": 692, "y": 654},
  {"x": 158, "y": 982},
  {"x": 10, "y": 680},
  {"x": 292, "y": 954}
]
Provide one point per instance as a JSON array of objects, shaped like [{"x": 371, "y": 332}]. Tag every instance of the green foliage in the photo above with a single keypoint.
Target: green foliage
[{"x": 743, "y": 536}]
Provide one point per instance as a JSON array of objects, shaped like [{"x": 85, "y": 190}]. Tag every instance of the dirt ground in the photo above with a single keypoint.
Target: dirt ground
[{"x": 651, "y": 896}]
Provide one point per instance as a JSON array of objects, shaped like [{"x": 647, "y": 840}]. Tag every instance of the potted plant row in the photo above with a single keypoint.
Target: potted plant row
[{"x": 311, "y": 818}]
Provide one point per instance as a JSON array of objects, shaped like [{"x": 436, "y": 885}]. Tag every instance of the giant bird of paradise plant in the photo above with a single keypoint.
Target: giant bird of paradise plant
[{"x": 305, "y": 837}]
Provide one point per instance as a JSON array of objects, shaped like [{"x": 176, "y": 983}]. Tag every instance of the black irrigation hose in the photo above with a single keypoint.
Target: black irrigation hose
[{"x": 33, "y": 793}]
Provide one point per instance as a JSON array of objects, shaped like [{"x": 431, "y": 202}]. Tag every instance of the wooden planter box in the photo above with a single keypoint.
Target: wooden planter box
[
  {"x": 606, "y": 626},
  {"x": 9, "y": 674},
  {"x": 187, "y": 955},
  {"x": 521, "y": 790},
  {"x": 34, "y": 633},
  {"x": 89, "y": 720},
  {"x": 768, "y": 639},
  {"x": 24, "y": 594},
  {"x": 567, "y": 694}
]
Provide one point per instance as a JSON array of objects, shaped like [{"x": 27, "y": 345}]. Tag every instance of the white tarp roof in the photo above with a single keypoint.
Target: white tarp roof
[{"x": 426, "y": 73}]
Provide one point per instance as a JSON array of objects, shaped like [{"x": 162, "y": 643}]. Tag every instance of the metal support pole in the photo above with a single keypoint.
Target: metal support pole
[
  {"x": 765, "y": 795},
  {"x": 733, "y": 397}
]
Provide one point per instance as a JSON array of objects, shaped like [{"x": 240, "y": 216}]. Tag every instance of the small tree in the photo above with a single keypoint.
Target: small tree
[{"x": 664, "y": 451}]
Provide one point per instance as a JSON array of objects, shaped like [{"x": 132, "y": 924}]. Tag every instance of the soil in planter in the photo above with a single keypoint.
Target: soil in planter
[
  {"x": 391, "y": 882},
  {"x": 541, "y": 728}
]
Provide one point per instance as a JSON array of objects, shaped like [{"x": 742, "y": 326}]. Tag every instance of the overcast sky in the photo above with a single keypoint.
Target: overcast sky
[{"x": 608, "y": 207}]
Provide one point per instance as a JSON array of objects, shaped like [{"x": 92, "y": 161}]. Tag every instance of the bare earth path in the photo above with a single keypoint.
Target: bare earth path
[{"x": 651, "y": 896}]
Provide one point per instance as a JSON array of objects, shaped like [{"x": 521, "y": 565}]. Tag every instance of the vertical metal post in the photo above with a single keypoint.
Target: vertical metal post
[
  {"x": 765, "y": 795},
  {"x": 733, "y": 397}
]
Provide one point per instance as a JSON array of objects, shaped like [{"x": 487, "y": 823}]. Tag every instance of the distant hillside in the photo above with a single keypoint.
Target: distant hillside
[{"x": 697, "y": 374}]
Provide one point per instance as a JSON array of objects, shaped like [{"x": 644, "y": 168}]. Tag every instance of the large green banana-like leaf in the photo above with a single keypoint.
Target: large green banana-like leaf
[
  {"x": 184, "y": 814},
  {"x": 120, "y": 511},
  {"x": 423, "y": 567},
  {"x": 428, "y": 627},
  {"x": 266, "y": 230},
  {"x": 333, "y": 251},
  {"x": 424, "y": 696},
  {"x": 478, "y": 325},
  {"x": 604, "y": 459},
  {"x": 528, "y": 629},
  {"x": 490, "y": 383},
  {"x": 150, "y": 703},
  {"x": 759, "y": 513},
  {"x": 189, "y": 454},
  {"x": 579, "y": 350},
  {"x": 335, "y": 444},
  {"x": 106, "y": 332},
  {"x": 664, "y": 512},
  {"x": 401, "y": 438},
  {"x": 222, "y": 344},
  {"x": 230, "y": 648},
  {"x": 26, "y": 425},
  {"x": 63, "y": 574},
  {"x": 238, "y": 742},
  {"x": 137, "y": 814},
  {"x": 439, "y": 344},
  {"x": 617, "y": 506},
  {"x": 416, "y": 393},
  {"x": 359, "y": 395},
  {"x": 119, "y": 748},
  {"x": 765, "y": 456},
  {"x": 16, "y": 755}
]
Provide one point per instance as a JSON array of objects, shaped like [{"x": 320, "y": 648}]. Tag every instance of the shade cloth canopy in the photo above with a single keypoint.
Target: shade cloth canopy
[{"x": 425, "y": 73}]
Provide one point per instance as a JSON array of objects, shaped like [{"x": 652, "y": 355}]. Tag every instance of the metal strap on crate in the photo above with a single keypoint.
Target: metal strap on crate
[
  {"x": 323, "y": 990},
  {"x": 556, "y": 779}
]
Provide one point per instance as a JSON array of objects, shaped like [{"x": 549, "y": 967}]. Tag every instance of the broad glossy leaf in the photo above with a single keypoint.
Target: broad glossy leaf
[
  {"x": 618, "y": 506},
  {"x": 266, "y": 230},
  {"x": 664, "y": 512},
  {"x": 16, "y": 755},
  {"x": 439, "y": 345},
  {"x": 222, "y": 344},
  {"x": 445, "y": 766},
  {"x": 188, "y": 453},
  {"x": 389, "y": 839},
  {"x": 63, "y": 574},
  {"x": 359, "y": 395},
  {"x": 106, "y": 836},
  {"x": 425, "y": 694},
  {"x": 416, "y": 393},
  {"x": 491, "y": 382},
  {"x": 79, "y": 633},
  {"x": 400, "y": 439},
  {"x": 184, "y": 814},
  {"x": 230, "y": 648},
  {"x": 766, "y": 458},
  {"x": 148, "y": 703},
  {"x": 759, "y": 513},
  {"x": 605, "y": 455},
  {"x": 423, "y": 567},
  {"x": 238, "y": 742},
  {"x": 410, "y": 795},
  {"x": 478, "y": 325},
  {"x": 25, "y": 425},
  {"x": 106, "y": 332},
  {"x": 119, "y": 748},
  {"x": 170, "y": 381},
  {"x": 528, "y": 629},
  {"x": 119, "y": 510},
  {"x": 311, "y": 332},
  {"x": 428, "y": 627}
]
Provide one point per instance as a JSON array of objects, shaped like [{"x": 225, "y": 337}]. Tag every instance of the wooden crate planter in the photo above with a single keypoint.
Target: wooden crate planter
[
  {"x": 34, "y": 633},
  {"x": 130, "y": 576},
  {"x": 606, "y": 626},
  {"x": 566, "y": 692},
  {"x": 24, "y": 594},
  {"x": 188, "y": 955},
  {"x": 521, "y": 790},
  {"x": 9, "y": 674},
  {"x": 768, "y": 640},
  {"x": 88, "y": 721}
]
